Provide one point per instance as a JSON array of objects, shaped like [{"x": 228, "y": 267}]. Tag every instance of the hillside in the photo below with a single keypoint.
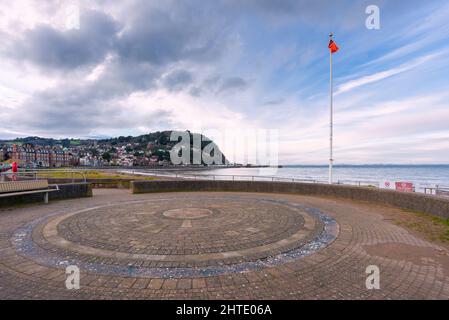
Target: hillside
[{"x": 158, "y": 142}]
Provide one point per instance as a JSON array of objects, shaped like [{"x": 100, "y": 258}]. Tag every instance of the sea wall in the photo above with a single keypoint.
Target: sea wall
[
  {"x": 66, "y": 191},
  {"x": 410, "y": 201},
  {"x": 97, "y": 183}
]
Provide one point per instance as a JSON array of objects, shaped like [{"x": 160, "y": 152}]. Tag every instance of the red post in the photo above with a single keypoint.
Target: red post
[{"x": 14, "y": 170}]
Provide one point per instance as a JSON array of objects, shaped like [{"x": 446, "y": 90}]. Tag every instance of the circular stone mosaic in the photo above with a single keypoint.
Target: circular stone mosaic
[
  {"x": 187, "y": 213},
  {"x": 189, "y": 236}
]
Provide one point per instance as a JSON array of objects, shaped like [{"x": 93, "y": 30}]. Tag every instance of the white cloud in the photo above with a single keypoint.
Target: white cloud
[
  {"x": 353, "y": 84},
  {"x": 98, "y": 70},
  {"x": 187, "y": 111}
]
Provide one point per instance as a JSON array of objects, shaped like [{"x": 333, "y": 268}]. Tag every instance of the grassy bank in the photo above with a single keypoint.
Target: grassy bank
[
  {"x": 90, "y": 174},
  {"x": 434, "y": 228}
]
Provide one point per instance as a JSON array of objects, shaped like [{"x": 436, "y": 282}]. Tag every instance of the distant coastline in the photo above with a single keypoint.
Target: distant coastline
[{"x": 363, "y": 165}]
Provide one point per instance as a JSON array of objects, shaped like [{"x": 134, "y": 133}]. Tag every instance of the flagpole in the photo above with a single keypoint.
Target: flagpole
[{"x": 331, "y": 160}]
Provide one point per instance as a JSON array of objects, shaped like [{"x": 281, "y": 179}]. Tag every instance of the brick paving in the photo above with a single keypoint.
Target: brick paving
[{"x": 214, "y": 246}]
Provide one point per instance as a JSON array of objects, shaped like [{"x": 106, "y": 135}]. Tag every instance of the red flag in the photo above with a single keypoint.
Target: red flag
[{"x": 333, "y": 46}]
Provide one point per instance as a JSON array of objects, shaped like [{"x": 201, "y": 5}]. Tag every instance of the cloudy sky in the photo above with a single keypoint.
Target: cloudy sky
[{"x": 132, "y": 67}]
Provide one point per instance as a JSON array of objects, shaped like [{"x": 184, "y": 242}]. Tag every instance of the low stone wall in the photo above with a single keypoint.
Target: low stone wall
[
  {"x": 66, "y": 191},
  {"x": 97, "y": 183},
  {"x": 409, "y": 201}
]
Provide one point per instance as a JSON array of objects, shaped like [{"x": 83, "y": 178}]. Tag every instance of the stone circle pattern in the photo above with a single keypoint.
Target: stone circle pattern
[
  {"x": 271, "y": 246},
  {"x": 177, "y": 238}
]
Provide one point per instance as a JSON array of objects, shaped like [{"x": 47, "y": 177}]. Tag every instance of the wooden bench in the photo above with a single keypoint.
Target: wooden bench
[{"x": 18, "y": 188}]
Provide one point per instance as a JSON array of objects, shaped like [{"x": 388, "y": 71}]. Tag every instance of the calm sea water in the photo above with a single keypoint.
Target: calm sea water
[{"x": 418, "y": 174}]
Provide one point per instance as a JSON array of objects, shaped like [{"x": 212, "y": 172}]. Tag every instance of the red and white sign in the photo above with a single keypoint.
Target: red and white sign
[
  {"x": 387, "y": 185},
  {"x": 398, "y": 186},
  {"x": 404, "y": 186}
]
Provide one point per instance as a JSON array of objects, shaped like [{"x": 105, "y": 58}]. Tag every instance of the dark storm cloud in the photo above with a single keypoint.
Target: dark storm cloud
[{"x": 62, "y": 50}]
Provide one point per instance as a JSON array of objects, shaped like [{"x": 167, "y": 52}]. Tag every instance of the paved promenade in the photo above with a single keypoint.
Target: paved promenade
[{"x": 215, "y": 246}]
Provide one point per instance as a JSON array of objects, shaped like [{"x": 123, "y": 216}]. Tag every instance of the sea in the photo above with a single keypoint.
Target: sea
[{"x": 420, "y": 175}]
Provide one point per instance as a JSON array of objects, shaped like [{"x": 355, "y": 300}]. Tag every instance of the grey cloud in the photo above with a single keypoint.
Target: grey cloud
[
  {"x": 315, "y": 13},
  {"x": 148, "y": 40},
  {"x": 130, "y": 76},
  {"x": 195, "y": 91},
  {"x": 287, "y": 7},
  {"x": 216, "y": 84},
  {"x": 231, "y": 84},
  {"x": 54, "y": 49},
  {"x": 274, "y": 102},
  {"x": 177, "y": 80},
  {"x": 212, "y": 82},
  {"x": 145, "y": 44},
  {"x": 79, "y": 106},
  {"x": 76, "y": 106},
  {"x": 161, "y": 36},
  {"x": 79, "y": 112}
]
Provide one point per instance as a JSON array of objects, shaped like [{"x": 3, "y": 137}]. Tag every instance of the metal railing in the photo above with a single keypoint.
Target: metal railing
[
  {"x": 248, "y": 178},
  {"x": 430, "y": 189},
  {"x": 225, "y": 177},
  {"x": 361, "y": 183},
  {"x": 436, "y": 190},
  {"x": 237, "y": 177},
  {"x": 42, "y": 174}
]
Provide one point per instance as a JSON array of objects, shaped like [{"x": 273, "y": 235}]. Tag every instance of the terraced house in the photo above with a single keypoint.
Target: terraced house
[{"x": 47, "y": 157}]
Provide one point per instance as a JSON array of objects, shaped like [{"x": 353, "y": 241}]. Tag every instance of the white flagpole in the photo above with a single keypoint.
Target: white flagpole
[{"x": 331, "y": 160}]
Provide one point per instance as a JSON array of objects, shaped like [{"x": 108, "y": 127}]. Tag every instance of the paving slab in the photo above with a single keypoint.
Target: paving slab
[{"x": 208, "y": 245}]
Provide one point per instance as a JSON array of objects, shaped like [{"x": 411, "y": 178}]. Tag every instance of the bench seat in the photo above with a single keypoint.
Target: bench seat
[{"x": 18, "y": 188}]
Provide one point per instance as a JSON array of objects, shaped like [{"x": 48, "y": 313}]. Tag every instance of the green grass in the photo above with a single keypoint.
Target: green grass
[
  {"x": 91, "y": 174},
  {"x": 443, "y": 222},
  {"x": 435, "y": 228},
  {"x": 75, "y": 142}
]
